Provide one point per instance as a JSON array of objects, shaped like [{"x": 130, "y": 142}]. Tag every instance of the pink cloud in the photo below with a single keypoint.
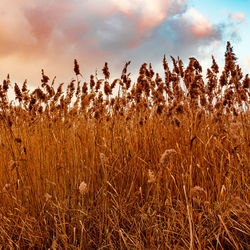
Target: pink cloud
[
  {"x": 147, "y": 13},
  {"x": 239, "y": 16},
  {"x": 49, "y": 34},
  {"x": 28, "y": 27},
  {"x": 47, "y": 26},
  {"x": 43, "y": 34},
  {"x": 12, "y": 37},
  {"x": 200, "y": 26},
  {"x": 45, "y": 18}
]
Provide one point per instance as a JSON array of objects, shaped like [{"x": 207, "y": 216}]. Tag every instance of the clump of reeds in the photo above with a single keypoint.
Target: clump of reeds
[{"x": 165, "y": 160}]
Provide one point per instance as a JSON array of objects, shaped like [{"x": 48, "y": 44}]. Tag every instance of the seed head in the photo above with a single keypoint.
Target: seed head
[
  {"x": 83, "y": 188},
  {"x": 47, "y": 196},
  {"x": 76, "y": 68},
  {"x": 151, "y": 177},
  {"x": 165, "y": 156},
  {"x": 6, "y": 187}
]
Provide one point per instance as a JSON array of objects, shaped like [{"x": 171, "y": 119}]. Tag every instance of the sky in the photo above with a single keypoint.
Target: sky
[{"x": 50, "y": 34}]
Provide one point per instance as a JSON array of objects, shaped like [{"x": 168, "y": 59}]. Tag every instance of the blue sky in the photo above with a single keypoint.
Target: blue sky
[
  {"x": 219, "y": 12},
  {"x": 50, "y": 34}
]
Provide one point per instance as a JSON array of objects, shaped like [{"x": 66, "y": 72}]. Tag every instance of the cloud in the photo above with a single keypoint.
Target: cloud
[
  {"x": 246, "y": 64},
  {"x": 200, "y": 26},
  {"x": 44, "y": 25},
  {"x": 12, "y": 38},
  {"x": 239, "y": 17},
  {"x": 147, "y": 13},
  {"x": 180, "y": 35},
  {"x": 233, "y": 26},
  {"x": 29, "y": 27},
  {"x": 49, "y": 34}
]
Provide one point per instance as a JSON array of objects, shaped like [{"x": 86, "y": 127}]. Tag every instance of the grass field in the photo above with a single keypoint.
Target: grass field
[{"x": 155, "y": 164}]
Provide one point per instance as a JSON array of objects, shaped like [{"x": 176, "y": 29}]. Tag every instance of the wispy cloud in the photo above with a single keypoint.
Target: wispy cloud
[{"x": 239, "y": 16}]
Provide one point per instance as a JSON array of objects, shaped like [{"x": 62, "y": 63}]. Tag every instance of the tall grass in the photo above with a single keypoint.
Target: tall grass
[{"x": 162, "y": 164}]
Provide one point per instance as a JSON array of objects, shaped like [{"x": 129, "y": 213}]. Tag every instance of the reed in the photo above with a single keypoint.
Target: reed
[{"x": 164, "y": 163}]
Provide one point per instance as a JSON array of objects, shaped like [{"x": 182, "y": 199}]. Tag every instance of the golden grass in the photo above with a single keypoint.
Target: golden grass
[{"x": 164, "y": 164}]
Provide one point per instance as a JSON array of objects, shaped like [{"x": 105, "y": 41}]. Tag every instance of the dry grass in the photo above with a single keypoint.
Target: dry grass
[{"x": 164, "y": 164}]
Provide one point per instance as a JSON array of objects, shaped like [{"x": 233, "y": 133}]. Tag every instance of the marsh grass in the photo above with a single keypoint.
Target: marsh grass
[{"x": 164, "y": 164}]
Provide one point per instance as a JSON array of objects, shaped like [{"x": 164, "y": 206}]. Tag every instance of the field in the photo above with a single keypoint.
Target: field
[{"x": 155, "y": 164}]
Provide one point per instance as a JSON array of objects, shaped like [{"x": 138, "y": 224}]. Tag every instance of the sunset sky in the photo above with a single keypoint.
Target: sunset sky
[{"x": 49, "y": 34}]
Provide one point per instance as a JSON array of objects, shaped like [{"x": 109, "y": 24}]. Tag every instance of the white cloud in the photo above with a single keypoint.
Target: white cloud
[
  {"x": 245, "y": 62},
  {"x": 200, "y": 24}
]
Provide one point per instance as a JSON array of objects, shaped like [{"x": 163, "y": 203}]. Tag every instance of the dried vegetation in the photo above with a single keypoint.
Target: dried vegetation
[{"x": 155, "y": 164}]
